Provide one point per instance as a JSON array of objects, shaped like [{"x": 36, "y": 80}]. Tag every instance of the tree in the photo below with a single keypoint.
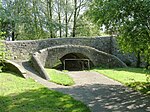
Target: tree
[
  {"x": 79, "y": 5},
  {"x": 75, "y": 18},
  {"x": 37, "y": 19},
  {"x": 68, "y": 9},
  {"x": 85, "y": 27},
  {"x": 59, "y": 9},
  {"x": 130, "y": 21},
  {"x": 66, "y": 18},
  {"x": 59, "y": 17},
  {"x": 3, "y": 52},
  {"x": 27, "y": 19}
]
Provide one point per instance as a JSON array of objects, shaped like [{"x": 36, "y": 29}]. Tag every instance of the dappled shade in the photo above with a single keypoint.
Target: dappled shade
[
  {"x": 108, "y": 98},
  {"x": 40, "y": 100},
  {"x": 25, "y": 95}
]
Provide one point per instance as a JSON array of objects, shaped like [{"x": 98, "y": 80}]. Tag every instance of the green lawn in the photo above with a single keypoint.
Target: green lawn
[
  {"x": 59, "y": 77},
  {"x": 25, "y": 95},
  {"x": 132, "y": 77}
]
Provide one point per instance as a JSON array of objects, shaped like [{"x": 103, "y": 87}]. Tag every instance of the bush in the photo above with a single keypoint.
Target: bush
[{"x": 4, "y": 54}]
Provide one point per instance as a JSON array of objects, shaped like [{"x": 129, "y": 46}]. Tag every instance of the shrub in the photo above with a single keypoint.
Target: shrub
[{"x": 4, "y": 54}]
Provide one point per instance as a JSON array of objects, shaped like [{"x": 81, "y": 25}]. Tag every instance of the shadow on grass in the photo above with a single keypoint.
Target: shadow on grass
[
  {"x": 143, "y": 87},
  {"x": 108, "y": 98},
  {"x": 40, "y": 100},
  {"x": 12, "y": 73}
]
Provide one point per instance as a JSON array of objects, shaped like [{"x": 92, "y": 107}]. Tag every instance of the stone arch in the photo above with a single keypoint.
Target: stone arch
[{"x": 49, "y": 56}]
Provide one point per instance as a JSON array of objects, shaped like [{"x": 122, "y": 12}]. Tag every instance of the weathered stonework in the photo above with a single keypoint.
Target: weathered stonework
[
  {"x": 14, "y": 67},
  {"x": 49, "y": 56},
  {"x": 101, "y": 51},
  {"x": 23, "y": 50}
]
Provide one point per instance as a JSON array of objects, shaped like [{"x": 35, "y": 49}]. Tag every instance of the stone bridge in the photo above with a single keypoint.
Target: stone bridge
[
  {"x": 23, "y": 50},
  {"x": 48, "y": 57},
  {"x": 52, "y": 52}
]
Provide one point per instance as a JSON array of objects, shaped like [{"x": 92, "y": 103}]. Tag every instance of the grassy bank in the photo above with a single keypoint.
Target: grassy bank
[
  {"x": 25, "y": 95},
  {"x": 59, "y": 77},
  {"x": 132, "y": 77}
]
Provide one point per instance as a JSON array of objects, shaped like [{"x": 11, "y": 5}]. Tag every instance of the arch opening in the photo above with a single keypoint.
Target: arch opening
[{"x": 73, "y": 62}]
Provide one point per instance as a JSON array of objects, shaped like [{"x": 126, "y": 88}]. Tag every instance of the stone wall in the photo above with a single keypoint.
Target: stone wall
[{"x": 23, "y": 50}]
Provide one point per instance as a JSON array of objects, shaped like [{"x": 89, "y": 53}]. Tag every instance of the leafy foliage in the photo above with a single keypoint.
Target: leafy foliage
[
  {"x": 143, "y": 87},
  {"x": 4, "y": 54},
  {"x": 38, "y": 19},
  {"x": 23, "y": 19},
  {"x": 86, "y": 28},
  {"x": 130, "y": 21}
]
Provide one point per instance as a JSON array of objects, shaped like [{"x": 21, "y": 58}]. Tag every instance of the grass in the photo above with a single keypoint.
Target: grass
[
  {"x": 59, "y": 77},
  {"x": 25, "y": 95},
  {"x": 132, "y": 77}
]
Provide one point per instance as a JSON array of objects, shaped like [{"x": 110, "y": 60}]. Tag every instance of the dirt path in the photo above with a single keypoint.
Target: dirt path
[
  {"x": 98, "y": 92},
  {"x": 102, "y": 94},
  {"x": 86, "y": 77}
]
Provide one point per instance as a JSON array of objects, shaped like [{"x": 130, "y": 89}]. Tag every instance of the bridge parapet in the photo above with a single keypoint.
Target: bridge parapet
[{"x": 23, "y": 50}]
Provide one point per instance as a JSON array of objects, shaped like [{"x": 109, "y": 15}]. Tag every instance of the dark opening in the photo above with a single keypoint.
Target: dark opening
[{"x": 73, "y": 62}]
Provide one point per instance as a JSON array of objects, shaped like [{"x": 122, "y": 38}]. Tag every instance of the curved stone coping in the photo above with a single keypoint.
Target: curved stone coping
[
  {"x": 14, "y": 67},
  {"x": 48, "y": 56},
  {"x": 38, "y": 66},
  {"x": 114, "y": 58}
]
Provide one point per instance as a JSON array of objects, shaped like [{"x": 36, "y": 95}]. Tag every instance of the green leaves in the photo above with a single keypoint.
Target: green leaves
[
  {"x": 4, "y": 54},
  {"x": 129, "y": 20},
  {"x": 86, "y": 28}
]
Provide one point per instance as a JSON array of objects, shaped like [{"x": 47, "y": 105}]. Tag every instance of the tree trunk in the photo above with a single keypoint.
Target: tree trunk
[
  {"x": 13, "y": 31},
  {"x": 13, "y": 36},
  {"x": 60, "y": 31},
  {"x": 35, "y": 18},
  {"x": 66, "y": 19},
  {"x": 59, "y": 18},
  {"x": 75, "y": 19},
  {"x": 138, "y": 60},
  {"x": 49, "y": 12}
]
